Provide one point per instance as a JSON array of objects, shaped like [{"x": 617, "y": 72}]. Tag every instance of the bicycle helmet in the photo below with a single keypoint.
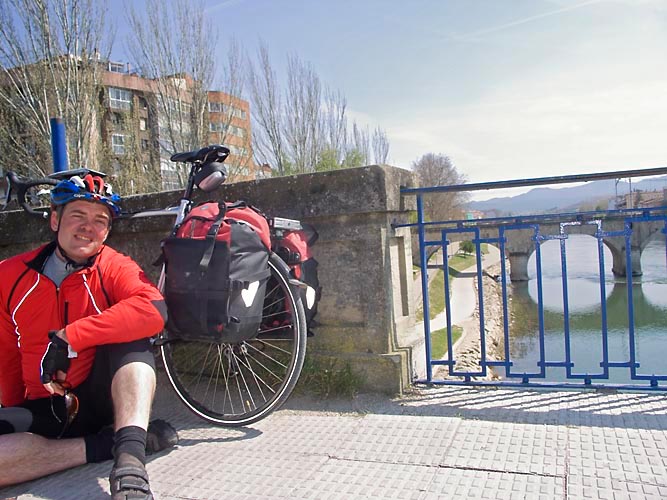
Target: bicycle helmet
[{"x": 90, "y": 188}]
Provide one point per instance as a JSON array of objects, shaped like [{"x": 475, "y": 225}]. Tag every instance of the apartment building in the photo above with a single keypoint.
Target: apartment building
[
  {"x": 138, "y": 123},
  {"x": 126, "y": 119},
  {"x": 141, "y": 119}
]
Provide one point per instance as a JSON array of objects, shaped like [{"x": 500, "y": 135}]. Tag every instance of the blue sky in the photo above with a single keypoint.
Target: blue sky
[{"x": 507, "y": 89}]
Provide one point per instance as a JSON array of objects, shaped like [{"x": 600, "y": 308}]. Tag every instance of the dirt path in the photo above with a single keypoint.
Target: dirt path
[
  {"x": 468, "y": 348},
  {"x": 465, "y": 313},
  {"x": 463, "y": 297}
]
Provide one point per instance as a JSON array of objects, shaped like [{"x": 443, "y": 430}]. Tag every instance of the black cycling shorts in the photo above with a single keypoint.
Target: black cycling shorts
[{"x": 95, "y": 406}]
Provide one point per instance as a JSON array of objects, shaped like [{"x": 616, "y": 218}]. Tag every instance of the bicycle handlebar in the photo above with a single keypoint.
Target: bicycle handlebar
[{"x": 19, "y": 186}]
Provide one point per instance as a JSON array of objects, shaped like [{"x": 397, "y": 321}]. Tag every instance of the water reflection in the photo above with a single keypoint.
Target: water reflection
[
  {"x": 585, "y": 319},
  {"x": 582, "y": 270},
  {"x": 654, "y": 279}
]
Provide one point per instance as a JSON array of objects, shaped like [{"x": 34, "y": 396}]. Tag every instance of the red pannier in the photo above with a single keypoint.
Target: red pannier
[
  {"x": 294, "y": 247},
  {"x": 216, "y": 273}
]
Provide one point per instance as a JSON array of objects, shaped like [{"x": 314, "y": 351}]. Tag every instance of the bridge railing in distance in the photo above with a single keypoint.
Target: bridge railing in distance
[{"x": 575, "y": 299}]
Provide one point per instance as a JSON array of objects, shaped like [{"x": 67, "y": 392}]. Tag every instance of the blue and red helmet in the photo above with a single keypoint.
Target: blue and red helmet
[{"x": 90, "y": 188}]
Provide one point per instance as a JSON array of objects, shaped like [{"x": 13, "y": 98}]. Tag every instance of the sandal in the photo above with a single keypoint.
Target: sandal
[{"x": 130, "y": 482}]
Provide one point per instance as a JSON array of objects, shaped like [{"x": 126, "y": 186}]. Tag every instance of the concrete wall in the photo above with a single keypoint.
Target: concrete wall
[{"x": 365, "y": 265}]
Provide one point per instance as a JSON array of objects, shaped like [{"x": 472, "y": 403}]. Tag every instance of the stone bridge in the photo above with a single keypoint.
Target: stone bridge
[
  {"x": 366, "y": 318},
  {"x": 520, "y": 238}
]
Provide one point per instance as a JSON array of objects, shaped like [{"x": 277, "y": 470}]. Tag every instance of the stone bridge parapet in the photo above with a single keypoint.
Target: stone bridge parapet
[{"x": 365, "y": 266}]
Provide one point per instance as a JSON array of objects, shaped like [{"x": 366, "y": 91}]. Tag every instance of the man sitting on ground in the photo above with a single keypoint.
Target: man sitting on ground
[{"x": 75, "y": 357}]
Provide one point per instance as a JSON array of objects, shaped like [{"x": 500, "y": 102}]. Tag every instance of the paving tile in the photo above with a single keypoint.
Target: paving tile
[
  {"x": 597, "y": 488},
  {"x": 462, "y": 483},
  {"x": 452, "y": 442},
  {"x": 400, "y": 439},
  {"x": 350, "y": 479},
  {"x": 629, "y": 455},
  {"x": 237, "y": 475},
  {"x": 502, "y": 446},
  {"x": 305, "y": 433}
]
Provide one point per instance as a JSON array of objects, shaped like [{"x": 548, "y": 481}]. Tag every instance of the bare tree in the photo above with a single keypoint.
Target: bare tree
[
  {"x": 439, "y": 170},
  {"x": 380, "y": 146},
  {"x": 173, "y": 43},
  {"x": 49, "y": 53},
  {"x": 302, "y": 112},
  {"x": 265, "y": 97},
  {"x": 232, "y": 83},
  {"x": 334, "y": 124},
  {"x": 303, "y": 128},
  {"x": 360, "y": 146}
]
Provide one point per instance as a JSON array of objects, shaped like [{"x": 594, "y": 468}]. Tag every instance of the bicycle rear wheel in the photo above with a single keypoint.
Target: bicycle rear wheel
[{"x": 241, "y": 383}]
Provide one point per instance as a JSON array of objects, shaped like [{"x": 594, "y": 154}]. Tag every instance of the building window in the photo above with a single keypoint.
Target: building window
[
  {"x": 144, "y": 144},
  {"x": 173, "y": 175},
  {"x": 115, "y": 67},
  {"x": 143, "y": 103},
  {"x": 120, "y": 98},
  {"x": 118, "y": 144},
  {"x": 215, "y": 107},
  {"x": 116, "y": 119},
  {"x": 219, "y": 107},
  {"x": 142, "y": 124},
  {"x": 230, "y": 129},
  {"x": 172, "y": 107}
]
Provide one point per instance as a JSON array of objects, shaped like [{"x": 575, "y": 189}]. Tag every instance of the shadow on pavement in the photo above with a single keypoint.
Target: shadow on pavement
[{"x": 538, "y": 406}]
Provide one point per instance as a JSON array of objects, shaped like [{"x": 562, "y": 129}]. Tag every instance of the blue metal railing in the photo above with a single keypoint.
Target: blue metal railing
[{"x": 607, "y": 226}]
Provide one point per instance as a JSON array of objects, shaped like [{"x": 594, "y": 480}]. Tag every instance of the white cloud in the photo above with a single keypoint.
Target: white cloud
[
  {"x": 516, "y": 132},
  {"x": 595, "y": 102},
  {"x": 223, "y": 5},
  {"x": 478, "y": 34},
  {"x": 361, "y": 118}
]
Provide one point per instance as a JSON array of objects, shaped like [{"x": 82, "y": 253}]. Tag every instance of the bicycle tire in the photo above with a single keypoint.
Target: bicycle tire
[{"x": 257, "y": 376}]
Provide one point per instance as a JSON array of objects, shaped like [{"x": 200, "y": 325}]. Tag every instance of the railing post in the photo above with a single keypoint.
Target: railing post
[
  {"x": 424, "y": 278},
  {"x": 58, "y": 145}
]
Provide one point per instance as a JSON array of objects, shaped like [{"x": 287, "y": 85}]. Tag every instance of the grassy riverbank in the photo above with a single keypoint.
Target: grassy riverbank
[
  {"x": 436, "y": 296},
  {"x": 456, "y": 264},
  {"x": 439, "y": 341}
]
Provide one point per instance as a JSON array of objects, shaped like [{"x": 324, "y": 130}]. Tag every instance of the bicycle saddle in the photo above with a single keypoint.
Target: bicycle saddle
[{"x": 216, "y": 152}]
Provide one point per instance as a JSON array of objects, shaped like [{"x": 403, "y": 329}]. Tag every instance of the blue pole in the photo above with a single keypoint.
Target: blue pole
[{"x": 58, "y": 145}]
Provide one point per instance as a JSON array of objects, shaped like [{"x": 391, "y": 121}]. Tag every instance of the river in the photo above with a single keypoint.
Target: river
[{"x": 585, "y": 319}]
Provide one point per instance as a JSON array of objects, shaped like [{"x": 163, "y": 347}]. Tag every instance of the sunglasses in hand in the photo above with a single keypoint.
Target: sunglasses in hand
[{"x": 71, "y": 406}]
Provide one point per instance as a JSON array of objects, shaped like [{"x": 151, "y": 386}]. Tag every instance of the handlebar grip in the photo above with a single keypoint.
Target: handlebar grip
[{"x": 21, "y": 186}]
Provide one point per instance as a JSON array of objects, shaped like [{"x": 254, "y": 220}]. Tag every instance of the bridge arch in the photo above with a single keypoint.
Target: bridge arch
[{"x": 520, "y": 242}]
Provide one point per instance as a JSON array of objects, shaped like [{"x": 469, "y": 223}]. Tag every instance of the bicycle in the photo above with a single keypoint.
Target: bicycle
[{"x": 228, "y": 384}]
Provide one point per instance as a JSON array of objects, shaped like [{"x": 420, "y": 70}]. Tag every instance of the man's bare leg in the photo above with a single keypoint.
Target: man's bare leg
[
  {"x": 132, "y": 391},
  {"x": 25, "y": 456}
]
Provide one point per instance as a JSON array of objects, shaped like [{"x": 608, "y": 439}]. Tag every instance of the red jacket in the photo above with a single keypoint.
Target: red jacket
[{"x": 110, "y": 302}]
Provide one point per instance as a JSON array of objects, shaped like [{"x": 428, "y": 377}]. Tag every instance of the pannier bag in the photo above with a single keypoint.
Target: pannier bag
[
  {"x": 294, "y": 247},
  {"x": 216, "y": 273}
]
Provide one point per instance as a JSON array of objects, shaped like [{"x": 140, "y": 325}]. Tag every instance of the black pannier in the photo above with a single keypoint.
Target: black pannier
[{"x": 216, "y": 273}]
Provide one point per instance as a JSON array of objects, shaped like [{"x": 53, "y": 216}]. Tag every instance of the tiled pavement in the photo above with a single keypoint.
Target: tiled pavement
[{"x": 446, "y": 442}]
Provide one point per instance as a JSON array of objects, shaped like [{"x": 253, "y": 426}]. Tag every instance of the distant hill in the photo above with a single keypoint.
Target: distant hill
[{"x": 550, "y": 200}]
